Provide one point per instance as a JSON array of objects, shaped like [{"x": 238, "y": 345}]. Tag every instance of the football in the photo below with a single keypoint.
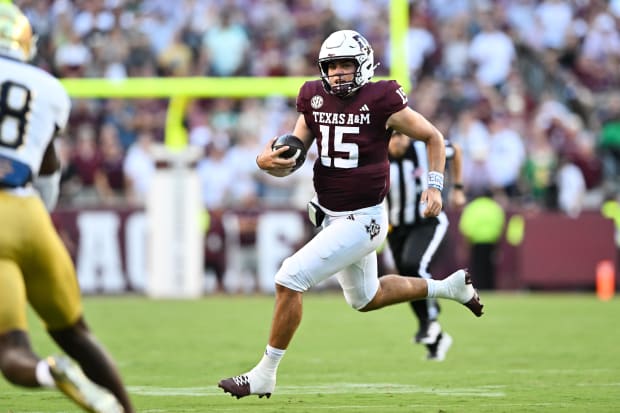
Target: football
[{"x": 296, "y": 151}]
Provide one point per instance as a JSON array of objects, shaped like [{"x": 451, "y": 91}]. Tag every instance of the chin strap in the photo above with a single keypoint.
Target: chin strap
[{"x": 49, "y": 188}]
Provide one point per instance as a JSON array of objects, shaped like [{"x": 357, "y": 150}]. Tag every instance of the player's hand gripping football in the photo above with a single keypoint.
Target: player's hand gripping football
[
  {"x": 432, "y": 198},
  {"x": 269, "y": 160}
]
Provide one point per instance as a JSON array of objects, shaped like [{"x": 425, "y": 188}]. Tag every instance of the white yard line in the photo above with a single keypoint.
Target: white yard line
[{"x": 336, "y": 388}]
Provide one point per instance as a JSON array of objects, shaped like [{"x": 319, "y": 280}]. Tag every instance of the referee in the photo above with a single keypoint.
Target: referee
[{"x": 413, "y": 239}]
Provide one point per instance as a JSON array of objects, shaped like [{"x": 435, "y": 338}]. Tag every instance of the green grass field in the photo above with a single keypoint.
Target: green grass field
[{"x": 528, "y": 353}]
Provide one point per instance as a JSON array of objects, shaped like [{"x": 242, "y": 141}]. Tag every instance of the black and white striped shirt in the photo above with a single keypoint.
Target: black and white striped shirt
[{"x": 408, "y": 178}]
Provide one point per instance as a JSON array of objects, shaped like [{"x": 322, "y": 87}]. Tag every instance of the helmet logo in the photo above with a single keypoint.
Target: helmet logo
[
  {"x": 363, "y": 43},
  {"x": 316, "y": 102}
]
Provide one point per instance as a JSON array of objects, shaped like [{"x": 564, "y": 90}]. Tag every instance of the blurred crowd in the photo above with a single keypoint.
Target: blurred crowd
[{"x": 530, "y": 89}]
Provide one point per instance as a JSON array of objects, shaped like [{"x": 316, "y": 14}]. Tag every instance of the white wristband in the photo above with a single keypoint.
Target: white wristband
[{"x": 435, "y": 180}]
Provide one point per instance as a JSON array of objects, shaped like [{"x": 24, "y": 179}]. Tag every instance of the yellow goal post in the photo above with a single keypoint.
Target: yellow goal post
[{"x": 181, "y": 89}]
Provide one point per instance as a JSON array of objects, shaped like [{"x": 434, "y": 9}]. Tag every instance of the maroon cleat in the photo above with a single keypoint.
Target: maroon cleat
[
  {"x": 239, "y": 386},
  {"x": 474, "y": 304}
]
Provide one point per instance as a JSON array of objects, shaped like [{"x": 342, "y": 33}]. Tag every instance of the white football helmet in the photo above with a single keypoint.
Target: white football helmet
[
  {"x": 16, "y": 39},
  {"x": 347, "y": 44}
]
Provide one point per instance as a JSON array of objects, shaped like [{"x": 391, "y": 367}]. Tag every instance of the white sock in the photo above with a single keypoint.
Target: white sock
[
  {"x": 43, "y": 375},
  {"x": 270, "y": 361},
  {"x": 452, "y": 287},
  {"x": 433, "y": 286},
  {"x": 440, "y": 289}
]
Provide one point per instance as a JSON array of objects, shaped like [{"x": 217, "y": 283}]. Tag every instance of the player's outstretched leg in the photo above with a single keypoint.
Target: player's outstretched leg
[
  {"x": 72, "y": 382},
  {"x": 461, "y": 289},
  {"x": 261, "y": 380},
  {"x": 79, "y": 344},
  {"x": 248, "y": 384}
]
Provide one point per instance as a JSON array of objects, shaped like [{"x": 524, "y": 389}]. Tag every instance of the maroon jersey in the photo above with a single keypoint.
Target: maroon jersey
[{"x": 352, "y": 170}]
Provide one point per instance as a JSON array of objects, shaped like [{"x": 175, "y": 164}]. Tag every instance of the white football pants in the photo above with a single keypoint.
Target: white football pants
[{"x": 346, "y": 247}]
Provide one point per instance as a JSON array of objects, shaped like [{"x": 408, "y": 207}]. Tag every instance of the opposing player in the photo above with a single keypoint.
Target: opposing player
[
  {"x": 35, "y": 267},
  {"x": 415, "y": 239},
  {"x": 352, "y": 120}
]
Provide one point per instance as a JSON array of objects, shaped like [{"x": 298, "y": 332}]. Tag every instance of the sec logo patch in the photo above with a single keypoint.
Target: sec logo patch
[{"x": 316, "y": 102}]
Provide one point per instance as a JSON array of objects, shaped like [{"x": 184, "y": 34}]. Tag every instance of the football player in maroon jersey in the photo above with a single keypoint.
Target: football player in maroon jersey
[{"x": 351, "y": 119}]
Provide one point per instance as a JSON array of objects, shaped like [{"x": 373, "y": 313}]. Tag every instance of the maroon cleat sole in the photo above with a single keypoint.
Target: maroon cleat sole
[{"x": 474, "y": 305}]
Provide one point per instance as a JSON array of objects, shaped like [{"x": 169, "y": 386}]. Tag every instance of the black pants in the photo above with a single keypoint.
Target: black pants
[{"x": 482, "y": 262}]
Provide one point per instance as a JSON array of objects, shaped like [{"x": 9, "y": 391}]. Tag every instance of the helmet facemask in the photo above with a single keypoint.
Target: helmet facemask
[{"x": 342, "y": 88}]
